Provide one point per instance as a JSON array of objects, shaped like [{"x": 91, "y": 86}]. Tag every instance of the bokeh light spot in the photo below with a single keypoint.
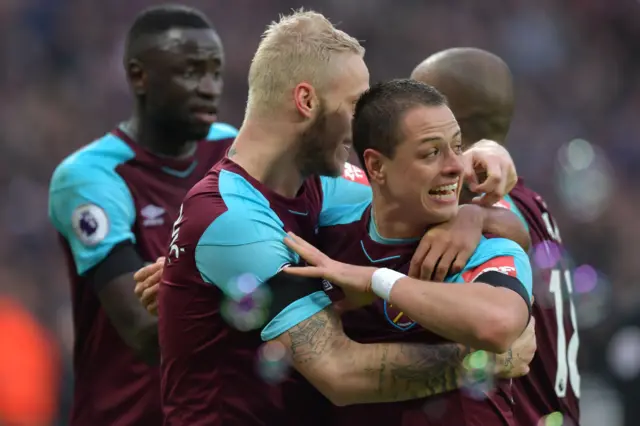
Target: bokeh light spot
[
  {"x": 546, "y": 255},
  {"x": 273, "y": 362},
  {"x": 246, "y": 303},
  {"x": 580, "y": 154},
  {"x": 584, "y": 180},
  {"x": 553, "y": 419},
  {"x": 585, "y": 279},
  {"x": 479, "y": 374}
]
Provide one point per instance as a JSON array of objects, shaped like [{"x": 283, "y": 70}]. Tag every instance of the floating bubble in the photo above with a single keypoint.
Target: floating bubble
[
  {"x": 478, "y": 378},
  {"x": 585, "y": 279},
  {"x": 546, "y": 255},
  {"x": 593, "y": 307},
  {"x": 554, "y": 419},
  {"x": 579, "y": 154},
  {"x": 477, "y": 360},
  {"x": 273, "y": 362},
  {"x": 241, "y": 286},
  {"x": 585, "y": 180},
  {"x": 601, "y": 403},
  {"x": 246, "y": 303},
  {"x": 623, "y": 353}
]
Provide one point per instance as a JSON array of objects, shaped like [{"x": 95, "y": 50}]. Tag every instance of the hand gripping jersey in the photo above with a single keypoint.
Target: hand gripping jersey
[
  {"x": 110, "y": 192},
  {"x": 228, "y": 240},
  {"x": 352, "y": 238},
  {"x": 553, "y": 384}
]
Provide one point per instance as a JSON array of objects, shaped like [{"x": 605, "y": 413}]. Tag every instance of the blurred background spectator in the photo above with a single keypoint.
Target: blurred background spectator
[{"x": 577, "y": 72}]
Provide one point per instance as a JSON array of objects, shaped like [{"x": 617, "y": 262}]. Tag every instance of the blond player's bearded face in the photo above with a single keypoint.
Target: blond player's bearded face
[{"x": 326, "y": 143}]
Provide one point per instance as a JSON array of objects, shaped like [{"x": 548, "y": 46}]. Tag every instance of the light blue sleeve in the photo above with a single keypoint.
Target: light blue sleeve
[
  {"x": 247, "y": 242},
  {"x": 220, "y": 131},
  {"x": 340, "y": 194},
  {"x": 93, "y": 210}
]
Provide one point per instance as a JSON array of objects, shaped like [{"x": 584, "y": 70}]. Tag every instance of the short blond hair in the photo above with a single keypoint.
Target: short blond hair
[{"x": 297, "y": 48}]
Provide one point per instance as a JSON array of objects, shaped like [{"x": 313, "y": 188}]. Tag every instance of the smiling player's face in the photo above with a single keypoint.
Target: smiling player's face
[
  {"x": 425, "y": 171},
  {"x": 184, "y": 81}
]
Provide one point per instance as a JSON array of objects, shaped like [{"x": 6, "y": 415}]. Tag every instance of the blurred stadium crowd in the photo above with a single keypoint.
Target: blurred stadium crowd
[{"x": 574, "y": 137}]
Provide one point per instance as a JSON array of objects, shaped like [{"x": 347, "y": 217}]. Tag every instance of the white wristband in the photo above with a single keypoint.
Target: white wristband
[{"x": 383, "y": 280}]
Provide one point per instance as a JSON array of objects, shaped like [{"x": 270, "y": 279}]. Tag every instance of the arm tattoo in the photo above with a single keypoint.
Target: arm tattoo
[
  {"x": 508, "y": 361},
  {"x": 381, "y": 372},
  {"x": 232, "y": 151},
  {"x": 309, "y": 339},
  {"x": 424, "y": 370}
]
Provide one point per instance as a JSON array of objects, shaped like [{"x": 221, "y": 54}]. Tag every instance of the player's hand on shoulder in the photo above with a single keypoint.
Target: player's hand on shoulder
[
  {"x": 489, "y": 170},
  {"x": 515, "y": 362},
  {"x": 351, "y": 278},
  {"x": 447, "y": 247},
  {"x": 147, "y": 285}
]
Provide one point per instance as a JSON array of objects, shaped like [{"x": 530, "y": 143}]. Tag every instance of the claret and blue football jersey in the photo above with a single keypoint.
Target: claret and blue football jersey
[{"x": 110, "y": 192}]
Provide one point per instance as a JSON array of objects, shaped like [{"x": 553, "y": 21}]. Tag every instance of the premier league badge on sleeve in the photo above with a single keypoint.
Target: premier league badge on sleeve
[{"x": 90, "y": 224}]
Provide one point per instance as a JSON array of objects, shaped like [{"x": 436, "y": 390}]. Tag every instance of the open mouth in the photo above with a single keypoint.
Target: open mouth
[{"x": 445, "y": 193}]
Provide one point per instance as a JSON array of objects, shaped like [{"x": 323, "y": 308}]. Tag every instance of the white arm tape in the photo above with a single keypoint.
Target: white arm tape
[{"x": 383, "y": 280}]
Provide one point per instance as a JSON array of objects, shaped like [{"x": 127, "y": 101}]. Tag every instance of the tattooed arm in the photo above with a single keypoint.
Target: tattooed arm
[{"x": 347, "y": 372}]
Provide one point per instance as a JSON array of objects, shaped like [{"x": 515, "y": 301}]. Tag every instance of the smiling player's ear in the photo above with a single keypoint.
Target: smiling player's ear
[{"x": 375, "y": 165}]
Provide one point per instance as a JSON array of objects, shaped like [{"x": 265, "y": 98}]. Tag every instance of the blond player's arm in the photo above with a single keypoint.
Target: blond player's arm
[{"x": 347, "y": 372}]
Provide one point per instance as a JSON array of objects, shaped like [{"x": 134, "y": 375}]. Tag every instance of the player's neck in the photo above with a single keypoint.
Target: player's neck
[
  {"x": 391, "y": 221},
  {"x": 159, "y": 142},
  {"x": 264, "y": 151}
]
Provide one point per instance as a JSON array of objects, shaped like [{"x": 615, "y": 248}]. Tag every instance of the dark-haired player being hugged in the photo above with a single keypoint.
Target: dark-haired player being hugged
[
  {"x": 410, "y": 143},
  {"x": 479, "y": 87},
  {"x": 114, "y": 201}
]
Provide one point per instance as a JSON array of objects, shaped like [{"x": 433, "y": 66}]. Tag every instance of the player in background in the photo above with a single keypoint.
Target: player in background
[
  {"x": 410, "y": 143},
  {"x": 114, "y": 201},
  {"x": 479, "y": 87},
  {"x": 281, "y": 176}
]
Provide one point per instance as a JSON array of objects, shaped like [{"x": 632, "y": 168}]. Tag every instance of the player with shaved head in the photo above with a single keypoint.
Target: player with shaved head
[{"x": 479, "y": 88}]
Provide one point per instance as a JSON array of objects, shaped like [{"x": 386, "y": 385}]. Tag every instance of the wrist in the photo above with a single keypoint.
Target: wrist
[{"x": 383, "y": 280}]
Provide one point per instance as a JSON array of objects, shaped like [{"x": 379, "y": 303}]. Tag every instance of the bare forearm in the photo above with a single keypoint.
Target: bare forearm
[
  {"x": 352, "y": 373},
  {"x": 474, "y": 314},
  {"x": 504, "y": 223},
  {"x": 390, "y": 372}
]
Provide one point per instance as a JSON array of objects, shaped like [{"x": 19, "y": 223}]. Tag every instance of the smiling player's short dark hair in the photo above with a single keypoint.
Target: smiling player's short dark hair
[
  {"x": 158, "y": 19},
  {"x": 379, "y": 111}
]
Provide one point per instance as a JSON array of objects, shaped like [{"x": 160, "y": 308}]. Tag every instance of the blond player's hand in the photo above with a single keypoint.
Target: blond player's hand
[
  {"x": 515, "y": 362},
  {"x": 447, "y": 247},
  {"x": 355, "y": 281},
  {"x": 147, "y": 285},
  {"x": 492, "y": 161}
]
